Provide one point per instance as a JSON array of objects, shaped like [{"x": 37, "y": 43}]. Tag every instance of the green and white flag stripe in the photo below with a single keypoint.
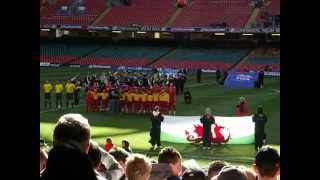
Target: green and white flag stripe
[{"x": 241, "y": 129}]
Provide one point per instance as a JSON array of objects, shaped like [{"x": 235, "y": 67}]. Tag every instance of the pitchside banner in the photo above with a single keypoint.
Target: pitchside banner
[
  {"x": 241, "y": 80},
  {"x": 229, "y": 130}
]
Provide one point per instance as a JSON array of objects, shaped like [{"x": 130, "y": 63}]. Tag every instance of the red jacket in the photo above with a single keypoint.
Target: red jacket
[{"x": 245, "y": 110}]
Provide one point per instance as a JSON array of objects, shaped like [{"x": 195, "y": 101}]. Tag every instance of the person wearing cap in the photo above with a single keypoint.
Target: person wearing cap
[
  {"x": 207, "y": 120},
  {"x": 260, "y": 119},
  {"x": 155, "y": 130}
]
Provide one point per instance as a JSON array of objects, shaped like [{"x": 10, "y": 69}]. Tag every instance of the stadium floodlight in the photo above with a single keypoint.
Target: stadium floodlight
[
  {"x": 45, "y": 29},
  {"x": 141, "y": 32},
  {"x": 116, "y": 31},
  {"x": 219, "y": 34},
  {"x": 276, "y": 34},
  {"x": 247, "y": 34},
  {"x": 157, "y": 35}
]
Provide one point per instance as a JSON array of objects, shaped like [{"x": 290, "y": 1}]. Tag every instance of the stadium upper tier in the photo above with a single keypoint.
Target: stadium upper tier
[
  {"x": 52, "y": 14},
  {"x": 141, "y": 12},
  {"x": 204, "y": 13},
  {"x": 198, "y": 13}
]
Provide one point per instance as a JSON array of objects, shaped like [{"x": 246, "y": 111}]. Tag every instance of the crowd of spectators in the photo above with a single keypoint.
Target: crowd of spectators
[{"x": 75, "y": 155}]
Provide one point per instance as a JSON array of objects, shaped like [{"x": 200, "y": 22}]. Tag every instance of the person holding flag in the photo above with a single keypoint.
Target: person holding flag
[
  {"x": 155, "y": 131},
  {"x": 207, "y": 120},
  {"x": 260, "y": 119}
]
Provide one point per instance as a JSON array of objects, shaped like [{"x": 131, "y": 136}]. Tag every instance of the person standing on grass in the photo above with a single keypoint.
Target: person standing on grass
[
  {"x": 242, "y": 108},
  {"x": 155, "y": 130},
  {"x": 76, "y": 94},
  {"x": 58, "y": 89},
  {"x": 218, "y": 75},
  {"x": 207, "y": 120},
  {"x": 70, "y": 88},
  {"x": 47, "y": 88},
  {"x": 260, "y": 119}
]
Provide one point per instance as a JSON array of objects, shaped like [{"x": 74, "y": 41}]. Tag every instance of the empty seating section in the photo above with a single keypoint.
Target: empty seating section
[
  {"x": 275, "y": 7},
  {"x": 272, "y": 10},
  {"x": 203, "y": 13},
  {"x": 137, "y": 56},
  {"x": 143, "y": 12},
  {"x": 194, "y": 58},
  {"x": 93, "y": 9},
  {"x": 61, "y": 53},
  {"x": 261, "y": 58}
]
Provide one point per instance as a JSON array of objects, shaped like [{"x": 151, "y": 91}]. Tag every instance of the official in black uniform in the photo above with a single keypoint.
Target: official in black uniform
[
  {"x": 260, "y": 119},
  {"x": 187, "y": 97},
  {"x": 207, "y": 120},
  {"x": 218, "y": 75},
  {"x": 199, "y": 75},
  {"x": 155, "y": 130}
]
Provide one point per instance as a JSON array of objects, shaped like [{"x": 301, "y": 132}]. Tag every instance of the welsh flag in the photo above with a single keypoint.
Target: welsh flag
[{"x": 227, "y": 130}]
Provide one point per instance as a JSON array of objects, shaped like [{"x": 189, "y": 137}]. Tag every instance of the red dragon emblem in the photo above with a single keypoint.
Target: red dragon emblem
[{"x": 220, "y": 134}]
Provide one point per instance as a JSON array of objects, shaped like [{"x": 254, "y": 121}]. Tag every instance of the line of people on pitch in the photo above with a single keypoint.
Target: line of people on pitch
[
  {"x": 71, "y": 90},
  {"x": 131, "y": 99}
]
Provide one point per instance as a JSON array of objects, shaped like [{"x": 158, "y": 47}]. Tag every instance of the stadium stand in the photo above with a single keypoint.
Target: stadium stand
[
  {"x": 63, "y": 53},
  {"x": 194, "y": 58},
  {"x": 136, "y": 56},
  {"x": 141, "y": 12},
  {"x": 73, "y": 16},
  {"x": 206, "y": 13},
  {"x": 261, "y": 58},
  {"x": 271, "y": 8}
]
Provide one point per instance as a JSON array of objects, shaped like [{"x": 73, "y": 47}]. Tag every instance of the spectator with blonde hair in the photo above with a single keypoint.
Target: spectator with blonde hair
[{"x": 138, "y": 167}]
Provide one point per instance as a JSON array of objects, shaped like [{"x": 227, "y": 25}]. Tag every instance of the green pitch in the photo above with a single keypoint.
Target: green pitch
[{"x": 135, "y": 128}]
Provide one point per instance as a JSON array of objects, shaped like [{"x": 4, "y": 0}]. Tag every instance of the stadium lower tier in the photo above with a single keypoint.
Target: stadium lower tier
[{"x": 175, "y": 64}]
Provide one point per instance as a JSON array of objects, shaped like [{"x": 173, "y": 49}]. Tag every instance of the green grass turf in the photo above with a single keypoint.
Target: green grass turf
[{"x": 135, "y": 128}]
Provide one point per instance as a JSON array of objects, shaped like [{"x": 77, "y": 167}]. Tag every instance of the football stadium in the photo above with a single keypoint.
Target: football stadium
[{"x": 194, "y": 75}]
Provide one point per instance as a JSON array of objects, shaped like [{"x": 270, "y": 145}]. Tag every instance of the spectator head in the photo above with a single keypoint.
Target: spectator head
[
  {"x": 208, "y": 111},
  {"x": 43, "y": 159},
  {"x": 260, "y": 109},
  {"x": 109, "y": 140},
  {"x": 138, "y": 167},
  {"x": 125, "y": 143},
  {"x": 156, "y": 108},
  {"x": 74, "y": 130},
  {"x": 193, "y": 175},
  {"x": 94, "y": 154},
  {"x": 172, "y": 157},
  {"x": 242, "y": 99},
  {"x": 215, "y": 167},
  {"x": 250, "y": 175},
  {"x": 231, "y": 173},
  {"x": 267, "y": 162},
  {"x": 120, "y": 155}
]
